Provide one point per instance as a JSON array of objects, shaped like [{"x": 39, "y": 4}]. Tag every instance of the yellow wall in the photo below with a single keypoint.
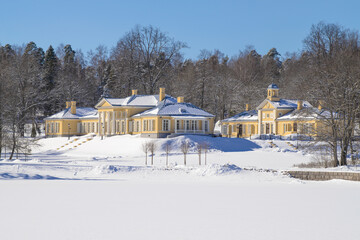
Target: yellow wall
[
  {"x": 122, "y": 114},
  {"x": 63, "y": 126},
  {"x": 159, "y": 122},
  {"x": 300, "y": 127},
  {"x": 246, "y": 132}
]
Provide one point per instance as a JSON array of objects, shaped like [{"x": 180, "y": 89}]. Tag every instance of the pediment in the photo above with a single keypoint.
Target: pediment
[
  {"x": 103, "y": 103},
  {"x": 265, "y": 105}
]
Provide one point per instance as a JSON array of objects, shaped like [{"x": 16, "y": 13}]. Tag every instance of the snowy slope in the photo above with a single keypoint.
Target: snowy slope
[{"x": 235, "y": 196}]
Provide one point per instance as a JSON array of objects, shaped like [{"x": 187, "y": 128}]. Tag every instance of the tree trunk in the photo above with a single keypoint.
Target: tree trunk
[
  {"x": 13, "y": 147},
  {"x": 335, "y": 157}
]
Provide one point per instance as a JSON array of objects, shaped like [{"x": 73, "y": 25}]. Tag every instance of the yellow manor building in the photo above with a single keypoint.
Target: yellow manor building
[
  {"x": 274, "y": 116},
  {"x": 148, "y": 115}
]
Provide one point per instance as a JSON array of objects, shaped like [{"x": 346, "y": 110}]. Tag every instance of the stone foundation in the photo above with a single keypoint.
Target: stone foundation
[{"x": 324, "y": 176}]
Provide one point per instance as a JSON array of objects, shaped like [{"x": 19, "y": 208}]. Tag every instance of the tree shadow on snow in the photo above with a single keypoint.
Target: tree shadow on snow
[
  {"x": 218, "y": 143},
  {"x": 23, "y": 176}
]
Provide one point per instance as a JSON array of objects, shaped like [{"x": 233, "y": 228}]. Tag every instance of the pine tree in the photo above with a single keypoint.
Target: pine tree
[{"x": 50, "y": 73}]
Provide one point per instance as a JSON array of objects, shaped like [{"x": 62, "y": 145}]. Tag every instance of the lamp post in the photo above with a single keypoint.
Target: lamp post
[{"x": 69, "y": 131}]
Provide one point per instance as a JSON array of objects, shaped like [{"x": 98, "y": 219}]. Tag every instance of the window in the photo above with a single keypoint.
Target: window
[
  {"x": 193, "y": 125},
  {"x": 52, "y": 127},
  {"x": 123, "y": 126},
  {"x": 166, "y": 125},
  {"x": 295, "y": 127},
  {"x": 151, "y": 125},
  {"x": 206, "y": 127},
  {"x": 177, "y": 124},
  {"x": 137, "y": 126},
  {"x": 145, "y": 126},
  {"x": 224, "y": 129},
  {"x": 187, "y": 125}
]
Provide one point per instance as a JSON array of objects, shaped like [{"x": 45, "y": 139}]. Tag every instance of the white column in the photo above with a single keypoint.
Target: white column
[
  {"x": 175, "y": 126},
  {"x": 259, "y": 122},
  {"x": 126, "y": 123},
  {"x": 99, "y": 124},
  {"x": 113, "y": 124},
  {"x": 107, "y": 123}
]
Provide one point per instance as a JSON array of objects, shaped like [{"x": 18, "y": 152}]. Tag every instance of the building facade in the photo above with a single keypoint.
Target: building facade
[
  {"x": 274, "y": 116},
  {"x": 148, "y": 115}
]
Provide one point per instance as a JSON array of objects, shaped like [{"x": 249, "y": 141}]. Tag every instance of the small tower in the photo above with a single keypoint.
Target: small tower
[{"x": 273, "y": 93}]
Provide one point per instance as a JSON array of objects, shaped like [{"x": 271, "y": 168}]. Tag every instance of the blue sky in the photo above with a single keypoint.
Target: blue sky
[{"x": 225, "y": 25}]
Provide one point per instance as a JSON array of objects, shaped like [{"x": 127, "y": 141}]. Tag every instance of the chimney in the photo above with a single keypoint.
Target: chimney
[
  {"x": 73, "y": 107},
  {"x": 68, "y": 104},
  {"x": 161, "y": 94},
  {"x": 299, "y": 105},
  {"x": 180, "y": 99},
  {"x": 134, "y": 92},
  {"x": 321, "y": 104},
  {"x": 247, "y": 107}
]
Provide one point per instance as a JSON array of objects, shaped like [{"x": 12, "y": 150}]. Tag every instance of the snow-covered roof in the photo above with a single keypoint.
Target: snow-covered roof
[
  {"x": 289, "y": 103},
  {"x": 174, "y": 109},
  {"x": 251, "y": 115},
  {"x": 137, "y": 100},
  {"x": 115, "y": 101},
  {"x": 305, "y": 114},
  {"x": 81, "y": 113},
  {"x": 273, "y": 86},
  {"x": 285, "y": 104}
]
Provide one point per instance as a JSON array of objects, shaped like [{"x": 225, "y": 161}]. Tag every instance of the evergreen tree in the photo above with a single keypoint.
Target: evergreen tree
[{"x": 50, "y": 73}]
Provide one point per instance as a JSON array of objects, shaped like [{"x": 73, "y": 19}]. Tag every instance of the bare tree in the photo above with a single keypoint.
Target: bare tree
[
  {"x": 168, "y": 148},
  {"x": 205, "y": 148},
  {"x": 334, "y": 57},
  {"x": 152, "y": 149},
  {"x": 145, "y": 149},
  {"x": 146, "y": 55},
  {"x": 185, "y": 147},
  {"x": 199, "y": 151}
]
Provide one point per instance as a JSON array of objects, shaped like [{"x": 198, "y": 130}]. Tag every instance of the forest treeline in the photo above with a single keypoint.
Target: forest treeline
[{"x": 35, "y": 83}]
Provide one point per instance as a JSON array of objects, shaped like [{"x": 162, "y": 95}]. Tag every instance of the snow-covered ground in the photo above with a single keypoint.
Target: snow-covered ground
[{"x": 101, "y": 189}]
